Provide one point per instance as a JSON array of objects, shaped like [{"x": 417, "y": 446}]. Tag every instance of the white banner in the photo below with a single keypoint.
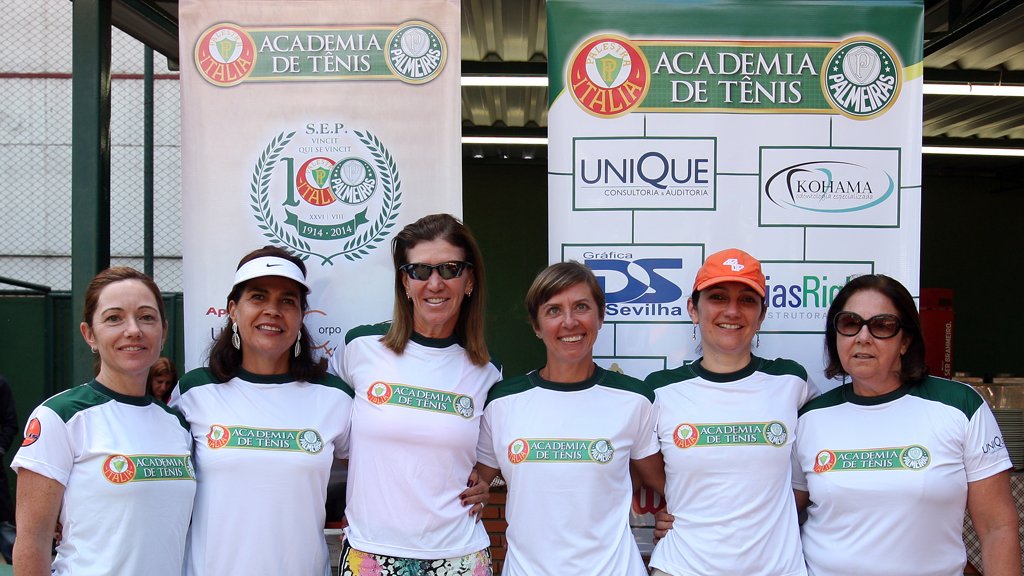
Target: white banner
[
  {"x": 790, "y": 130},
  {"x": 321, "y": 127}
]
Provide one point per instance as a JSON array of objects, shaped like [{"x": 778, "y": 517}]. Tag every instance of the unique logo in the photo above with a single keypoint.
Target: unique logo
[
  {"x": 218, "y": 436},
  {"x": 32, "y": 432},
  {"x": 772, "y": 433},
  {"x": 562, "y": 450},
  {"x": 609, "y": 76},
  {"x": 225, "y": 54},
  {"x": 416, "y": 52},
  {"x": 119, "y": 468},
  {"x": 685, "y": 435},
  {"x": 913, "y": 457},
  {"x": 518, "y": 451},
  {"x": 379, "y": 393},
  {"x": 829, "y": 187},
  {"x": 341, "y": 196},
  {"x": 861, "y": 78},
  {"x": 421, "y": 398}
]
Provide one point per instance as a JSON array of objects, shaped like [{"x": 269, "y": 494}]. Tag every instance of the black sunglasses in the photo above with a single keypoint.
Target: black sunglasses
[
  {"x": 880, "y": 326},
  {"x": 446, "y": 270}
]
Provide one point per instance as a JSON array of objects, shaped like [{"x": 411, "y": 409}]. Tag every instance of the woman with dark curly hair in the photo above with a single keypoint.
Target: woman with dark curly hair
[{"x": 886, "y": 463}]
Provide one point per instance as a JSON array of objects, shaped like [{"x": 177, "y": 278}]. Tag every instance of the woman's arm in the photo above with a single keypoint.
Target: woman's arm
[
  {"x": 651, "y": 472},
  {"x": 994, "y": 513},
  {"x": 39, "y": 501}
]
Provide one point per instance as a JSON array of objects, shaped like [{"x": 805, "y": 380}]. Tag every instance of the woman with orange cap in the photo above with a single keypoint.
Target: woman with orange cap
[{"x": 726, "y": 424}]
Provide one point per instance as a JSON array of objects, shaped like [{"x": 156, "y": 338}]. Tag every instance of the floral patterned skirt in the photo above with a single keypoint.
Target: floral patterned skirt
[{"x": 356, "y": 563}]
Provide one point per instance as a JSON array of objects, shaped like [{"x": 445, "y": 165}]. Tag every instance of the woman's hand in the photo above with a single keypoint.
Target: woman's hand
[
  {"x": 476, "y": 495},
  {"x": 662, "y": 524}
]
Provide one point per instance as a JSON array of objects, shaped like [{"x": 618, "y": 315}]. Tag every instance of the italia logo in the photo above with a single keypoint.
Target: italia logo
[
  {"x": 685, "y": 435},
  {"x": 32, "y": 432},
  {"x": 225, "y": 54},
  {"x": 119, "y": 468},
  {"x": 824, "y": 461},
  {"x": 379, "y": 393},
  {"x": 518, "y": 451},
  {"x": 416, "y": 52},
  {"x": 861, "y": 77},
  {"x": 609, "y": 76},
  {"x": 218, "y": 437}
]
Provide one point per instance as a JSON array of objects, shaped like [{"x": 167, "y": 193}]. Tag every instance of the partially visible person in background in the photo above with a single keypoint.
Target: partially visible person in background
[
  {"x": 8, "y": 430},
  {"x": 162, "y": 378}
]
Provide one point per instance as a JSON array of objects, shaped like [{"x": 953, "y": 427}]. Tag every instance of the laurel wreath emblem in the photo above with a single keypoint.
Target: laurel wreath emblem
[{"x": 354, "y": 248}]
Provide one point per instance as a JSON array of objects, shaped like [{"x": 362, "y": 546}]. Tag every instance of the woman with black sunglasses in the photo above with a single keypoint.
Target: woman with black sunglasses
[
  {"x": 886, "y": 462},
  {"x": 420, "y": 384}
]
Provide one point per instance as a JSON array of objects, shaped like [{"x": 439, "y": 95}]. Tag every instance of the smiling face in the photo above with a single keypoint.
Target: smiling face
[
  {"x": 872, "y": 363},
  {"x": 436, "y": 302},
  {"x": 127, "y": 333},
  {"x": 729, "y": 315},
  {"x": 269, "y": 317},
  {"x": 568, "y": 324}
]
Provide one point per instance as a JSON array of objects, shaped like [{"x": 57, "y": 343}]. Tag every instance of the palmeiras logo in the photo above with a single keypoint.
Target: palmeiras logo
[
  {"x": 118, "y": 468},
  {"x": 861, "y": 77},
  {"x": 225, "y": 54},
  {"x": 379, "y": 392},
  {"x": 416, "y": 52},
  {"x": 609, "y": 76},
  {"x": 331, "y": 191}
]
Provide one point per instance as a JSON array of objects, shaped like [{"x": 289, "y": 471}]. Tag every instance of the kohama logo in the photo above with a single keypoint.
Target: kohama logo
[
  {"x": 914, "y": 457},
  {"x": 225, "y": 54},
  {"x": 829, "y": 187},
  {"x": 119, "y": 468},
  {"x": 862, "y": 78},
  {"x": 341, "y": 193},
  {"x": 416, "y": 52},
  {"x": 609, "y": 76}
]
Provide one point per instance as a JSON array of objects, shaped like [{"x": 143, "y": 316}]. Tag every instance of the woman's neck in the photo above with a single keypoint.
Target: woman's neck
[
  {"x": 567, "y": 373},
  {"x": 868, "y": 389},
  {"x": 129, "y": 385},
  {"x": 725, "y": 363}
]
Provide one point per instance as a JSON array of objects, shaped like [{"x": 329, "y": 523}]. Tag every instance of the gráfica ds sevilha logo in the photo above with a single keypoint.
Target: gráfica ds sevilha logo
[{"x": 326, "y": 190}]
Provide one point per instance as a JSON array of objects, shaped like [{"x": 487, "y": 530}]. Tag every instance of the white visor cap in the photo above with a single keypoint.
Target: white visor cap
[{"x": 270, "y": 266}]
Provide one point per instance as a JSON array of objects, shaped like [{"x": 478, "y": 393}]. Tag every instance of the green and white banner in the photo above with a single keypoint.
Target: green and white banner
[
  {"x": 786, "y": 128},
  {"x": 321, "y": 127}
]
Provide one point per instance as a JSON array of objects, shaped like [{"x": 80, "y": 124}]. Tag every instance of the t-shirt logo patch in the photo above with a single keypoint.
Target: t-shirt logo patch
[
  {"x": 420, "y": 398},
  {"x": 122, "y": 468},
  {"x": 772, "y": 433},
  {"x": 913, "y": 457},
  {"x": 246, "y": 438},
  {"x": 32, "y": 432},
  {"x": 598, "y": 450}
]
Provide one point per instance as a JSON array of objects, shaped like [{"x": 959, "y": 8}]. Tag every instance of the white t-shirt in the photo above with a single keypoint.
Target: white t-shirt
[
  {"x": 415, "y": 425},
  {"x": 727, "y": 441},
  {"x": 888, "y": 476},
  {"x": 264, "y": 446},
  {"x": 564, "y": 450},
  {"x": 125, "y": 463}
]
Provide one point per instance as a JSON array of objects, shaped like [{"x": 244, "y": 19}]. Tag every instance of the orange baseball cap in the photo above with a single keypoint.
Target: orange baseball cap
[{"x": 731, "y": 265}]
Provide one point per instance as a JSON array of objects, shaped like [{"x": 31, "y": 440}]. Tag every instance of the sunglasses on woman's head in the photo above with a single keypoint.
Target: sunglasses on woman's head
[
  {"x": 446, "y": 270},
  {"x": 880, "y": 326}
]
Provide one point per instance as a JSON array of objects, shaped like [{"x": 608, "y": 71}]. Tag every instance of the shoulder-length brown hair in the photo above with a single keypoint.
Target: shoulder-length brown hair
[
  {"x": 913, "y": 368},
  {"x": 226, "y": 360},
  {"x": 112, "y": 276},
  {"x": 469, "y": 328}
]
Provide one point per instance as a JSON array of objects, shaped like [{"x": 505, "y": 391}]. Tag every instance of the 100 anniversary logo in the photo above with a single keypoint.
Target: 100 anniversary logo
[{"x": 330, "y": 192}]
